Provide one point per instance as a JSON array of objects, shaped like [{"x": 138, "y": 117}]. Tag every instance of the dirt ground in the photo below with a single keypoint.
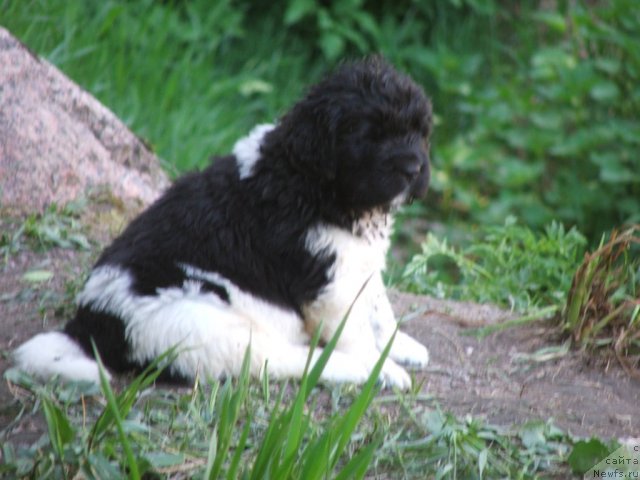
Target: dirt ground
[
  {"x": 500, "y": 379},
  {"x": 497, "y": 378}
]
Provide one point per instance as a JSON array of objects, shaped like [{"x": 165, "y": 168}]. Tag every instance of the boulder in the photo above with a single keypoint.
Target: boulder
[{"x": 58, "y": 143}]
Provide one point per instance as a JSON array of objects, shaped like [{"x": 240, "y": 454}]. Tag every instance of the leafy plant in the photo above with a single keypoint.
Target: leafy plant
[
  {"x": 587, "y": 453},
  {"x": 535, "y": 102},
  {"x": 545, "y": 128},
  {"x": 339, "y": 23},
  {"x": 436, "y": 444},
  {"x": 509, "y": 266},
  {"x": 56, "y": 227},
  {"x": 236, "y": 430}
]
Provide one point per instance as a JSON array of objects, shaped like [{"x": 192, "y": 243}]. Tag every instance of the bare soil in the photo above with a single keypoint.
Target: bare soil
[
  {"x": 497, "y": 377},
  {"x": 500, "y": 379}
]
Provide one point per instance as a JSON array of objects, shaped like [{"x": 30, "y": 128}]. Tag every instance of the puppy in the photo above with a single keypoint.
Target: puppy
[{"x": 264, "y": 247}]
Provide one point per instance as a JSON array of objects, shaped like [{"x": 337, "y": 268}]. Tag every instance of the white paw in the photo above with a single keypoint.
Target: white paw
[
  {"x": 392, "y": 375},
  {"x": 410, "y": 352},
  {"x": 344, "y": 368}
]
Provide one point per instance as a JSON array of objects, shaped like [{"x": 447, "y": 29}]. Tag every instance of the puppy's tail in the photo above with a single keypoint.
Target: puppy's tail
[{"x": 54, "y": 353}]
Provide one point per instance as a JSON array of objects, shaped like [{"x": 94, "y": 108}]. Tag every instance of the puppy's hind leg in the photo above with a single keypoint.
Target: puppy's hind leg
[{"x": 212, "y": 339}]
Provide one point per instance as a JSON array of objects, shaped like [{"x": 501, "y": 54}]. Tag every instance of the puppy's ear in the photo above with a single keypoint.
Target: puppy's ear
[{"x": 308, "y": 136}]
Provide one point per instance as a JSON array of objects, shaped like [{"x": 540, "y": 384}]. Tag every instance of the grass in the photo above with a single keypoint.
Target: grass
[
  {"x": 511, "y": 265},
  {"x": 250, "y": 429},
  {"x": 535, "y": 104},
  {"x": 541, "y": 275},
  {"x": 602, "y": 312},
  {"x": 244, "y": 429},
  {"x": 195, "y": 65},
  {"x": 55, "y": 227}
]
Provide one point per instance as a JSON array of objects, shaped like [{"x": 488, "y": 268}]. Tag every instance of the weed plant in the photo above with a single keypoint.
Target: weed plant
[
  {"x": 603, "y": 306},
  {"x": 56, "y": 227},
  {"x": 511, "y": 266}
]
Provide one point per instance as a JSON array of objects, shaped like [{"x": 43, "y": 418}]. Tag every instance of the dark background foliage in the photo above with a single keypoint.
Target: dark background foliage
[{"x": 537, "y": 102}]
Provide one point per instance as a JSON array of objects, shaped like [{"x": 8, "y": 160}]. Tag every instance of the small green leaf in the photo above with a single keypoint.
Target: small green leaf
[
  {"x": 482, "y": 461},
  {"x": 533, "y": 434},
  {"x": 60, "y": 430},
  {"x": 37, "y": 276},
  {"x": 553, "y": 20},
  {"x": 332, "y": 45},
  {"x": 297, "y": 10},
  {"x": 102, "y": 468},
  {"x": 605, "y": 92},
  {"x": 254, "y": 86},
  {"x": 608, "y": 65},
  {"x": 586, "y": 454}
]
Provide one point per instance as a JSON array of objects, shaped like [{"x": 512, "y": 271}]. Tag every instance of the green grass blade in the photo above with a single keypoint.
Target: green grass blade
[
  {"x": 536, "y": 316},
  {"x": 269, "y": 446},
  {"x": 294, "y": 418},
  {"x": 286, "y": 431},
  {"x": 314, "y": 375},
  {"x": 128, "y": 396},
  {"x": 349, "y": 421},
  {"x": 359, "y": 464},
  {"x": 212, "y": 454},
  {"x": 234, "y": 464},
  {"x": 315, "y": 460},
  {"x": 320, "y": 457},
  {"x": 112, "y": 404},
  {"x": 231, "y": 403},
  {"x": 60, "y": 430}
]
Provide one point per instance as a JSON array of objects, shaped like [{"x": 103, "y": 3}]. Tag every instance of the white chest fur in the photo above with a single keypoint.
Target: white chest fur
[{"x": 360, "y": 256}]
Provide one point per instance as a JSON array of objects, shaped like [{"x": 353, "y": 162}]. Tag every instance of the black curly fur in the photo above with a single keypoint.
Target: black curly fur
[{"x": 356, "y": 141}]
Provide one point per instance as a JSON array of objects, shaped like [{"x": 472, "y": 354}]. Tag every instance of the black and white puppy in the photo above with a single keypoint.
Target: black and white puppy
[{"x": 263, "y": 247}]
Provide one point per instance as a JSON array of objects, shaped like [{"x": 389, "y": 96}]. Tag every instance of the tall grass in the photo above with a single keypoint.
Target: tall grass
[
  {"x": 236, "y": 429},
  {"x": 602, "y": 312},
  {"x": 186, "y": 77}
]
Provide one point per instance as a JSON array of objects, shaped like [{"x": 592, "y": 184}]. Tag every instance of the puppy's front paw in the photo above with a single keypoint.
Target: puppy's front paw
[
  {"x": 410, "y": 352},
  {"x": 393, "y": 375}
]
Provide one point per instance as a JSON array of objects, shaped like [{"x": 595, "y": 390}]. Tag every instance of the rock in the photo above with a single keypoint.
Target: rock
[{"x": 58, "y": 143}]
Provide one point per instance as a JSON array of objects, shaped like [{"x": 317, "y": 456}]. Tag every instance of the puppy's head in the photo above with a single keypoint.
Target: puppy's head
[{"x": 362, "y": 132}]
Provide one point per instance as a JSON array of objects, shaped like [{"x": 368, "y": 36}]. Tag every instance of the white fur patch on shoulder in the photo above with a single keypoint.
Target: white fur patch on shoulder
[
  {"x": 247, "y": 149},
  {"x": 54, "y": 353}
]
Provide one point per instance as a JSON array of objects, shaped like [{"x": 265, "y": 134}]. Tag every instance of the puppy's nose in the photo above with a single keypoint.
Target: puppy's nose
[{"x": 420, "y": 185}]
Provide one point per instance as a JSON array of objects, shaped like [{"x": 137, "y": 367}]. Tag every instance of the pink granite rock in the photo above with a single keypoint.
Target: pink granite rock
[{"x": 57, "y": 142}]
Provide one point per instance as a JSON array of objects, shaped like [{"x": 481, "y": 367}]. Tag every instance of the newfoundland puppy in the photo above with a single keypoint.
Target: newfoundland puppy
[{"x": 264, "y": 247}]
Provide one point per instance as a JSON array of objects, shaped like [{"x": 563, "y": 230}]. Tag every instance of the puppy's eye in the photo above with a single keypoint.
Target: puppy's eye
[{"x": 410, "y": 170}]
